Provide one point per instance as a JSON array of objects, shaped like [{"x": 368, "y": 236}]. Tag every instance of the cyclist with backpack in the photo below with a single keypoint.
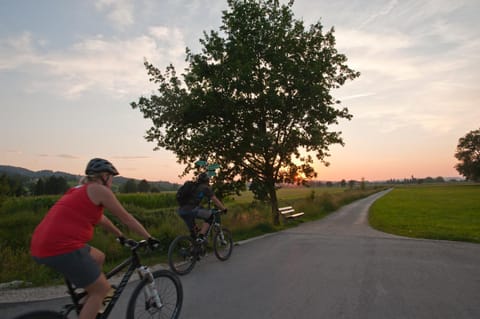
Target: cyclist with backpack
[
  {"x": 61, "y": 239},
  {"x": 190, "y": 196}
]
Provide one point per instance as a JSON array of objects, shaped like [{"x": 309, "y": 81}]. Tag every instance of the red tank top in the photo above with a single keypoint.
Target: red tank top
[{"x": 68, "y": 225}]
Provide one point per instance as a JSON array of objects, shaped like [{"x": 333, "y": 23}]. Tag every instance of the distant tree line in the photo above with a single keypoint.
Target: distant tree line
[
  {"x": 131, "y": 186},
  {"x": 11, "y": 186},
  {"x": 362, "y": 183},
  {"x": 55, "y": 185},
  {"x": 414, "y": 180},
  {"x": 52, "y": 185}
]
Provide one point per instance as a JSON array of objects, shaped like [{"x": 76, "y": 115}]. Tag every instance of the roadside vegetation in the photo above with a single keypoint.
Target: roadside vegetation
[
  {"x": 157, "y": 211},
  {"x": 435, "y": 212}
]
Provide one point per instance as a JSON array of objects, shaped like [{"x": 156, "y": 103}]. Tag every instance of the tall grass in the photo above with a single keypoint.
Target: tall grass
[{"x": 246, "y": 218}]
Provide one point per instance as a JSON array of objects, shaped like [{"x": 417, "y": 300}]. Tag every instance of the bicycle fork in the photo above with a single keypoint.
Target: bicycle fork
[
  {"x": 152, "y": 297},
  {"x": 219, "y": 231}
]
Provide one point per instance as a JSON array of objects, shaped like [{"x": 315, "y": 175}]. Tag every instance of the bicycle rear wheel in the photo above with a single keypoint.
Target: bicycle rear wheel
[
  {"x": 170, "y": 291},
  {"x": 181, "y": 255},
  {"x": 41, "y": 314},
  {"x": 223, "y": 244}
]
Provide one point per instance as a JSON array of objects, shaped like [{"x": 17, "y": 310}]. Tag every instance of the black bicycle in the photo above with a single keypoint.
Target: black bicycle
[
  {"x": 186, "y": 250},
  {"x": 159, "y": 294}
]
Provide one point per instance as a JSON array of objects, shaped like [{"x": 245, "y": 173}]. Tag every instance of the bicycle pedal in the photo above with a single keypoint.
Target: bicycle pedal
[
  {"x": 110, "y": 294},
  {"x": 107, "y": 299}
]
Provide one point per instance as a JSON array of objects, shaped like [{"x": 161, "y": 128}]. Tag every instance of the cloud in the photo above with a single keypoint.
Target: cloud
[
  {"x": 62, "y": 156},
  {"x": 401, "y": 55},
  {"x": 417, "y": 84},
  {"x": 109, "y": 65},
  {"x": 391, "y": 120},
  {"x": 372, "y": 41},
  {"x": 14, "y": 152},
  {"x": 16, "y": 51},
  {"x": 382, "y": 54},
  {"x": 160, "y": 32},
  {"x": 170, "y": 37},
  {"x": 356, "y": 96},
  {"x": 119, "y": 12},
  {"x": 131, "y": 157},
  {"x": 68, "y": 156},
  {"x": 383, "y": 12}
]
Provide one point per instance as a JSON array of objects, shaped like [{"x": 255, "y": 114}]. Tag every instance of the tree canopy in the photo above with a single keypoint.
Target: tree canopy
[
  {"x": 255, "y": 100},
  {"x": 468, "y": 153}
]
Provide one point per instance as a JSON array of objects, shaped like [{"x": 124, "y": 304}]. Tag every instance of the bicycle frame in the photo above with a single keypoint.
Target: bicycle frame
[
  {"x": 186, "y": 250},
  {"x": 216, "y": 224},
  {"x": 134, "y": 264},
  {"x": 159, "y": 293}
]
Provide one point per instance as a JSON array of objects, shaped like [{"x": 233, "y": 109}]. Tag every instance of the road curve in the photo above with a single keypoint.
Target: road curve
[{"x": 337, "y": 267}]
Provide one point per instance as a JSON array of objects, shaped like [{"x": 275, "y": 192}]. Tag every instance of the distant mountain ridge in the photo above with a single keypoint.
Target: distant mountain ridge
[{"x": 14, "y": 171}]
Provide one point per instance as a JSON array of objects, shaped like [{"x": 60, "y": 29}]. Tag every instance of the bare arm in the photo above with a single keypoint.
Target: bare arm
[
  {"x": 102, "y": 195},
  {"x": 107, "y": 224},
  {"x": 217, "y": 202}
]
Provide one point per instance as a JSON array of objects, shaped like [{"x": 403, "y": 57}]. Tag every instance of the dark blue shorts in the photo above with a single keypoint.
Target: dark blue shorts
[
  {"x": 77, "y": 266},
  {"x": 189, "y": 216}
]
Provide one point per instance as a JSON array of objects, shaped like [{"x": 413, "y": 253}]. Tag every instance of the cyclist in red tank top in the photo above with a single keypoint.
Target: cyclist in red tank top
[
  {"x": 61, "y": 239},
  {"x": 76, "y": 214}
]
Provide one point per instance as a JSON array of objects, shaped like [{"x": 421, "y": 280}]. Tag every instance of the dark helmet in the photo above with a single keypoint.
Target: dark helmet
[
  {"x": 99, "y": 165},
  {"x": 203, "y": 178}
]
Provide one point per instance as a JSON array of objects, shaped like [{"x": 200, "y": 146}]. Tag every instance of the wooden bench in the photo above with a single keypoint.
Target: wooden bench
[{"x": 288, "y": 212}]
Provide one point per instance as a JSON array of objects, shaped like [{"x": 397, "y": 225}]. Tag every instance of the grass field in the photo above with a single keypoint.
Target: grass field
[
  {"x": 435, "y": 212},
  {"x": 293, "y": 193}
]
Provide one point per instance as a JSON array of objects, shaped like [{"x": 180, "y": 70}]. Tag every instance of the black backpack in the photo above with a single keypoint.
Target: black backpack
[{"x": 185, "y": 192}]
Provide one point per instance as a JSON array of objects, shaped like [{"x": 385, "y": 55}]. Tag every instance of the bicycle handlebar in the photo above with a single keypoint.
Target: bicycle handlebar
[
  {"x": 131, "y": 243},
  {"x": 219, "y": 211}
]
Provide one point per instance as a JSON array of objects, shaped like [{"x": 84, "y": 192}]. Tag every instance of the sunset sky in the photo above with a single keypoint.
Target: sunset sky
[{"x": 69, "y": 70}]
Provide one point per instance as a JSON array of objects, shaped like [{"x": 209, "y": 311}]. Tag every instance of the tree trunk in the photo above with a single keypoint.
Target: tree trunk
[{"x": 274, "y": 203}]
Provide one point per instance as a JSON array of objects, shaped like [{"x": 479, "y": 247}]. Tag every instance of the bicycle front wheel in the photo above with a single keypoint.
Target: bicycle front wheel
[
  {"x": 170, "y": 291},
  {"x": 223, "y": 244},
  {"x": 181, "y": 255},
  {"x": 41, "y": 314}
]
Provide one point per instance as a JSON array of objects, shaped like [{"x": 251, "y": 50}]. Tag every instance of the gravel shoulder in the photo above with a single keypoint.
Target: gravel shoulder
[{"x": 14, "y": 295}]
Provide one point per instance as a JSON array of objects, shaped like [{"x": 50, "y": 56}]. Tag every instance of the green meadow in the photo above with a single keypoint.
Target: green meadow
[{"x": 446, "y": 212}]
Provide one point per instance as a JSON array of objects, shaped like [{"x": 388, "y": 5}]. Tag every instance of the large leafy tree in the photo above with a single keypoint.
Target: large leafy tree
[
  {"x": 468, "y": 153},
  {"x": 254, "y": 100}
]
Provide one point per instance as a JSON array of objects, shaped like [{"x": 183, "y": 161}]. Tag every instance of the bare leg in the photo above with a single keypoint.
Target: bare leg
[
  {"x": 206, "y": 215},
  {"x": 204, "y": 229},
  {"x": 98, "y": 256},
  {"x": 96, "y": 292}
]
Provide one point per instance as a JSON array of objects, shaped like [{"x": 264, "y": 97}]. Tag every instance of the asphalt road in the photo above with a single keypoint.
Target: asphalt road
[{"x": 337, "y": 267}]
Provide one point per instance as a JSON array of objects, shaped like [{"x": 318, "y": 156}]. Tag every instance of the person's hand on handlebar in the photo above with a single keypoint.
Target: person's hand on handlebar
[
  {"x": 126, "y": 242},
  {"x": 153, "y": 243}
]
